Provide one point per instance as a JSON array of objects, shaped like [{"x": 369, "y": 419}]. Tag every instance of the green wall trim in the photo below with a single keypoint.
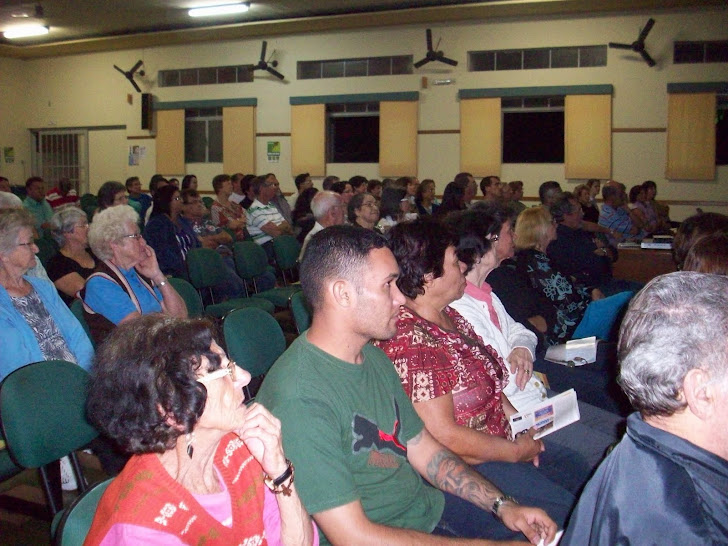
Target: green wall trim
[
  {"x": 545, "y": 91},
  {"x": 214, "y": 103},
  {"x": 698, "y": 87},
  {"x": 363, "y": 97}
]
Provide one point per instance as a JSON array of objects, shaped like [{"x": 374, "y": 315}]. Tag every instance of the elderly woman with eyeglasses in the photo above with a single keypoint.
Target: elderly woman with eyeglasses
[
  {"x": 71, "y": 266},
  {"x": 128, "y": 281},
  {"x": 206, "y": 468},
  {"x": 35, "y": 324}
]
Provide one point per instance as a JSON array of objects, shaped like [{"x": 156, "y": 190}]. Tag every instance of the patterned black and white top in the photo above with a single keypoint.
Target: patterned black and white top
[{"x": 50, "y": 340}]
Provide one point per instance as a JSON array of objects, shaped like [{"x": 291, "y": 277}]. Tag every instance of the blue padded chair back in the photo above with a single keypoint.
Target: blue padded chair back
[{"x": 254, "y": 339}]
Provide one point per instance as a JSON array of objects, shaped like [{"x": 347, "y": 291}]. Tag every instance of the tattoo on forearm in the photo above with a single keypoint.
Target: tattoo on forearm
[{"x": 450, "y": 473}]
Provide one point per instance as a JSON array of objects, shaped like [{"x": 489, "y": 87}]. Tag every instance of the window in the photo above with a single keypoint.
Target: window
[
  {"x": 533, "y": 130},
  {"x": 700, "y": 52},
  {"x": 349, "y": 68},
  {"x": 544, "y": 57},
  {"x": 206, "y": 75},
  {"x": 721, "y": 131},
  {"x": 352, "y": 132},
  {"x": 203, "y": 135}
]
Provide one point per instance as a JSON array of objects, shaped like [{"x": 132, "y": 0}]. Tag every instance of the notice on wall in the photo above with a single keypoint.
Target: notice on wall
[
  {"x": 136, "y": 154},
  {"x": 9, "y": 154},
  {"x": 274, "y": 151}
]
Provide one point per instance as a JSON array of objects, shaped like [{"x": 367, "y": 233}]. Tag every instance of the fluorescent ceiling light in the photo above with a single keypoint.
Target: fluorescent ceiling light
[
  {"x": 224, "y": 9},
  {"x": 25, "y": 31}
]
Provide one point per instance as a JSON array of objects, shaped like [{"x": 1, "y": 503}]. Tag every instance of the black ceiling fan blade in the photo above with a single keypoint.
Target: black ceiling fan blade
[
  {"x": 423, "y": 62},
  {"x": 275, "y": 73},
  {"x": 620, "y": 46},
  {"x": 120, "y": 70},
  {"x": 429, "y": 39},
  {"x": 136, "y": 66},
  {"x": 646, "y": 30},
  {"x": 447, "y": 61},
  {"x": 646, "y": 56},
  {"x": 262, "y": 51},
  {"x": 131, "y": 79}
]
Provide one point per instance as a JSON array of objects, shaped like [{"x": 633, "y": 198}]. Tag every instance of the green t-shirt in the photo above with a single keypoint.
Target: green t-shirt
[{"x": 346, "y": 427}]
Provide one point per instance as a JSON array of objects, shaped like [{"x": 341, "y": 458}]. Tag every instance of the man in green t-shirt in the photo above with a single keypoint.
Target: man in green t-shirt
[{"x": 359, "y": 447}]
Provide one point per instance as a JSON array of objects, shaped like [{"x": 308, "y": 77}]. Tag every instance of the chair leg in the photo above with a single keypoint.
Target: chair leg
[
  {"x": 50, "y": 477},
  {"x": 76, "y": 465}
]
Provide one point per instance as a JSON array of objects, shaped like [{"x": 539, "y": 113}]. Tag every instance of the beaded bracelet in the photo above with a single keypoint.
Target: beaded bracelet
[{"x": 283, "y": 483}]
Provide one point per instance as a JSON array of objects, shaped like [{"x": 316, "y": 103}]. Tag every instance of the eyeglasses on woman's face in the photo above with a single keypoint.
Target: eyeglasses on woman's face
[{"x": 219, "y": 374}]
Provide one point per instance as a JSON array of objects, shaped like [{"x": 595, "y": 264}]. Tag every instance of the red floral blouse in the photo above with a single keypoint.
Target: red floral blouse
[{"x": 433, "y": 362}]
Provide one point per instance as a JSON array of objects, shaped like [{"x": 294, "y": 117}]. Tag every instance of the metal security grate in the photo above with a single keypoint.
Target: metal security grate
[
  {"x": 544, "y": 57},
  {"x": 349, "y": 68},
  {"x": 61, "y": 154}
]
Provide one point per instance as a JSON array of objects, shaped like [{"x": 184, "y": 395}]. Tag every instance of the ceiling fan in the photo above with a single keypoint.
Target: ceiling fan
[
  {"x": 265, "y": 65},
  {"x": 638, "y": 46},
  {"x": 129, "y": 74},
  {"x": 433, "y": 54}
]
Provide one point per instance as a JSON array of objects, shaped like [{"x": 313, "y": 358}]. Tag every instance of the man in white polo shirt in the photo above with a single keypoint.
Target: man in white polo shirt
[{"x": 265, "y": 222}]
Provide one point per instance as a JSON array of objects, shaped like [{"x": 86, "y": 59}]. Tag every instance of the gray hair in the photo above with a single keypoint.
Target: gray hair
[
  {"x": 562, "y": 206},
  {"x": 9, "y": 201},
  {"x": 109, "y": 226},
  {"x": 11, "y": 222},
  {"x": 64, "y": 221},
  {"x": 677, "y": 323},
  {"x": 323, "y": 202}
]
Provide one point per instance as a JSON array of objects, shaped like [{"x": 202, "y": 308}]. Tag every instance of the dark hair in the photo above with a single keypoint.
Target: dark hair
[
  {"x": 329, "y": 181},
  {"x": 609, "y": 191},
  {"x": 419, "y": 247},
  {"x": 463, "y": 178},
  {"x": 486, "y": 183},
  {"x": 634, "y": 193},
  {"x": 475, "y": 230},
  {"x": 391, "y": 198},
  {"x": 245, "y": 182},
  {"x": 107, "y": 191},
  {"x": 421, "y": 188},
  {"x": 562, "y": 206},
  {"x": 340, "y": 186},
  {"x": 218, "y": 181},
  {"x": 300, "y": 179},
  {"x": 336, "y": 252},
  {"x": 187, "y": 180},
  {"x": 257, "y": 183},
  {"x": 709, "y": 254},
  {"x": 303, "y": 204},
  {"x": 516, "y": 185},
  {"x": 188, "y": 194},
  {"x": 647, "y": 184},
  {"x": 694, "y": 228},
  {"x": 143, "y": 391},
  {"x": 374, "y": 183},
  {"x": 130, "y": 181},
  {"x": 154, "y": 182},
  {"x": 548, "y": 187},
  {"x": 32, "y": 180},
  {"x": 355, "y": 203},
  {"x": 357, "y": 181},
  {"x": 453, "y": 198},
  {"x": 162, "y": 199}
]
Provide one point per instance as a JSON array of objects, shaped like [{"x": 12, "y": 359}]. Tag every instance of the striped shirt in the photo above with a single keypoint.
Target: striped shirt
[{"x": 258, "y": 216}]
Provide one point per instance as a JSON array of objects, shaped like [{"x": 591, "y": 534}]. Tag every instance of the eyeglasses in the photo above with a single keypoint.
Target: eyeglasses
[
  {"x": 136, "y": 236},
  {"x": 178, "y": 198},
  {"x": 493, "y": 238},
  {"x": 219, "y": 374},
  {"x": 31, "y": 243}
]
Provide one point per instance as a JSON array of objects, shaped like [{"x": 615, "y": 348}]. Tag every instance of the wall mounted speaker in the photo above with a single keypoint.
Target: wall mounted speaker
[{"x": 147, "y": 111}]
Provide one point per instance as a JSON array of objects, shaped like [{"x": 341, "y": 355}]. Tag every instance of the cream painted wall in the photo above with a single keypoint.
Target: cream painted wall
[
  {"x": 105, "y": 163},
  {"x": 13, "y": 133},
  {"x": 86, "y": 90}
]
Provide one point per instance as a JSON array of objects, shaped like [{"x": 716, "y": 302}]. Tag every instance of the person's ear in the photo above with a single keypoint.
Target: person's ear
[
  {"x": 343, "y": 293},
  {"x": 429, "y": 277},
  {"x": 699, "y": 393},
  {"x": 169, "y": 419}
]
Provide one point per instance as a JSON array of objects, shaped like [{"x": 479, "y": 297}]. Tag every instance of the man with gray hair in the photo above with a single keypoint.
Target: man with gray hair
[
  {"x": 667, "y": 480},
  {"x": 328, "y": 210}
]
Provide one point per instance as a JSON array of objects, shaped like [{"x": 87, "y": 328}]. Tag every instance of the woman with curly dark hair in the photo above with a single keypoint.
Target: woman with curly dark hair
[{"x": 206, "y": 467}]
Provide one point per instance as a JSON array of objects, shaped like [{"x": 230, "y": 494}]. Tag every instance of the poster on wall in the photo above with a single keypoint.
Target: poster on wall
[
  {"x": 136, "y": 154},
  {"x": 9, "y": 154},
  {"x": 274, "y": 151}
]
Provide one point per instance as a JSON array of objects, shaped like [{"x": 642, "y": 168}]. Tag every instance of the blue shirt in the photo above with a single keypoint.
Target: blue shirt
[
  {"x": 42, "y": 212},
  {"x": 110, "y": 300}
]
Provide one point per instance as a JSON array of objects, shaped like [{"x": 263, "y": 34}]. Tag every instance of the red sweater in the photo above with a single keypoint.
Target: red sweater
[{"x": 145, "y": 494}]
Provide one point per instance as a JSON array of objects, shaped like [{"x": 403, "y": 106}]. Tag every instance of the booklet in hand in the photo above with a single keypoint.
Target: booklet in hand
[{"x": 548, "y": 416}]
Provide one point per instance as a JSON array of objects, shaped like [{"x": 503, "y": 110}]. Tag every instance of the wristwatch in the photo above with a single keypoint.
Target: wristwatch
[{"x": 499, "y": 501}]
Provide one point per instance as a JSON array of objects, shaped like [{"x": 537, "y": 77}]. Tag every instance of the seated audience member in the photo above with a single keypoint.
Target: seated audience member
[
  {"x": 303, "y": 182},
  {"x": 636, "y": 209},
  {"x": 237, "y": 195},
  {"x": 594, "y": 186},
  {"x": 189, "y": 182},
  {"x": 174, "y": 182},
  {"x": 63, "y": 194},
  {"x": 170, "y": 235},
  {"x": 225, "y": 213},
  {"x": 529, "y": 286},
  {"x": 666, "y": 480},
  {"x": 515, "y": 204},
  {"x": 279, "y": 200},
  {"x": 548, "y": 192},
  {"x": 36, "y": 203},
  {"x": 71, "y": 266},
  {"x": 246, "y": 187},
  {"x": 164, "y": 390},
  {"x": 363, "y": 211},
  {"x": 35, "y": 324},
  {"x": 492, "y": 188},
  {"x": 127, "y": 282},
  {"x": 657, "y": 213},
  {"x": 709, "y": 254},
  {"x": 425, "y": 198},
  {"x": 302, "y": 215},
  {"x": 359, "y": 184},
  {"x": 339, "y": 400},
  {"x": 138, "y": 200},
  {"x": 9, "y": 201},
  {"x": 466, "y": 182},
  {"x": 111, "y": 194},
  {"x": 344, "y": 189},
  {"x": 265, "y": 221},
  {"x": 5, "y": 185},
  {"x": 374, "y": 187},
  {"x": 156, "y": 182},
  {"x": 394, "y": 208},
  {"x": 453, "y": 198},
  {"x": 329, "y": 181},
  {"x": 614, "y": 215},
  {"x": 588, "y": 207},
  {"x": 328, "y": 209},
  {"x": 694, "y": 228},
  {"x": 575, "y": 252}
]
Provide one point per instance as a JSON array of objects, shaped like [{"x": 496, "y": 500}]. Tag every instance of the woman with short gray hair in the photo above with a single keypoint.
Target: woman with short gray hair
[
  {"x": 35, "y": 324},
  {"x": 72, "y": 265}
]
